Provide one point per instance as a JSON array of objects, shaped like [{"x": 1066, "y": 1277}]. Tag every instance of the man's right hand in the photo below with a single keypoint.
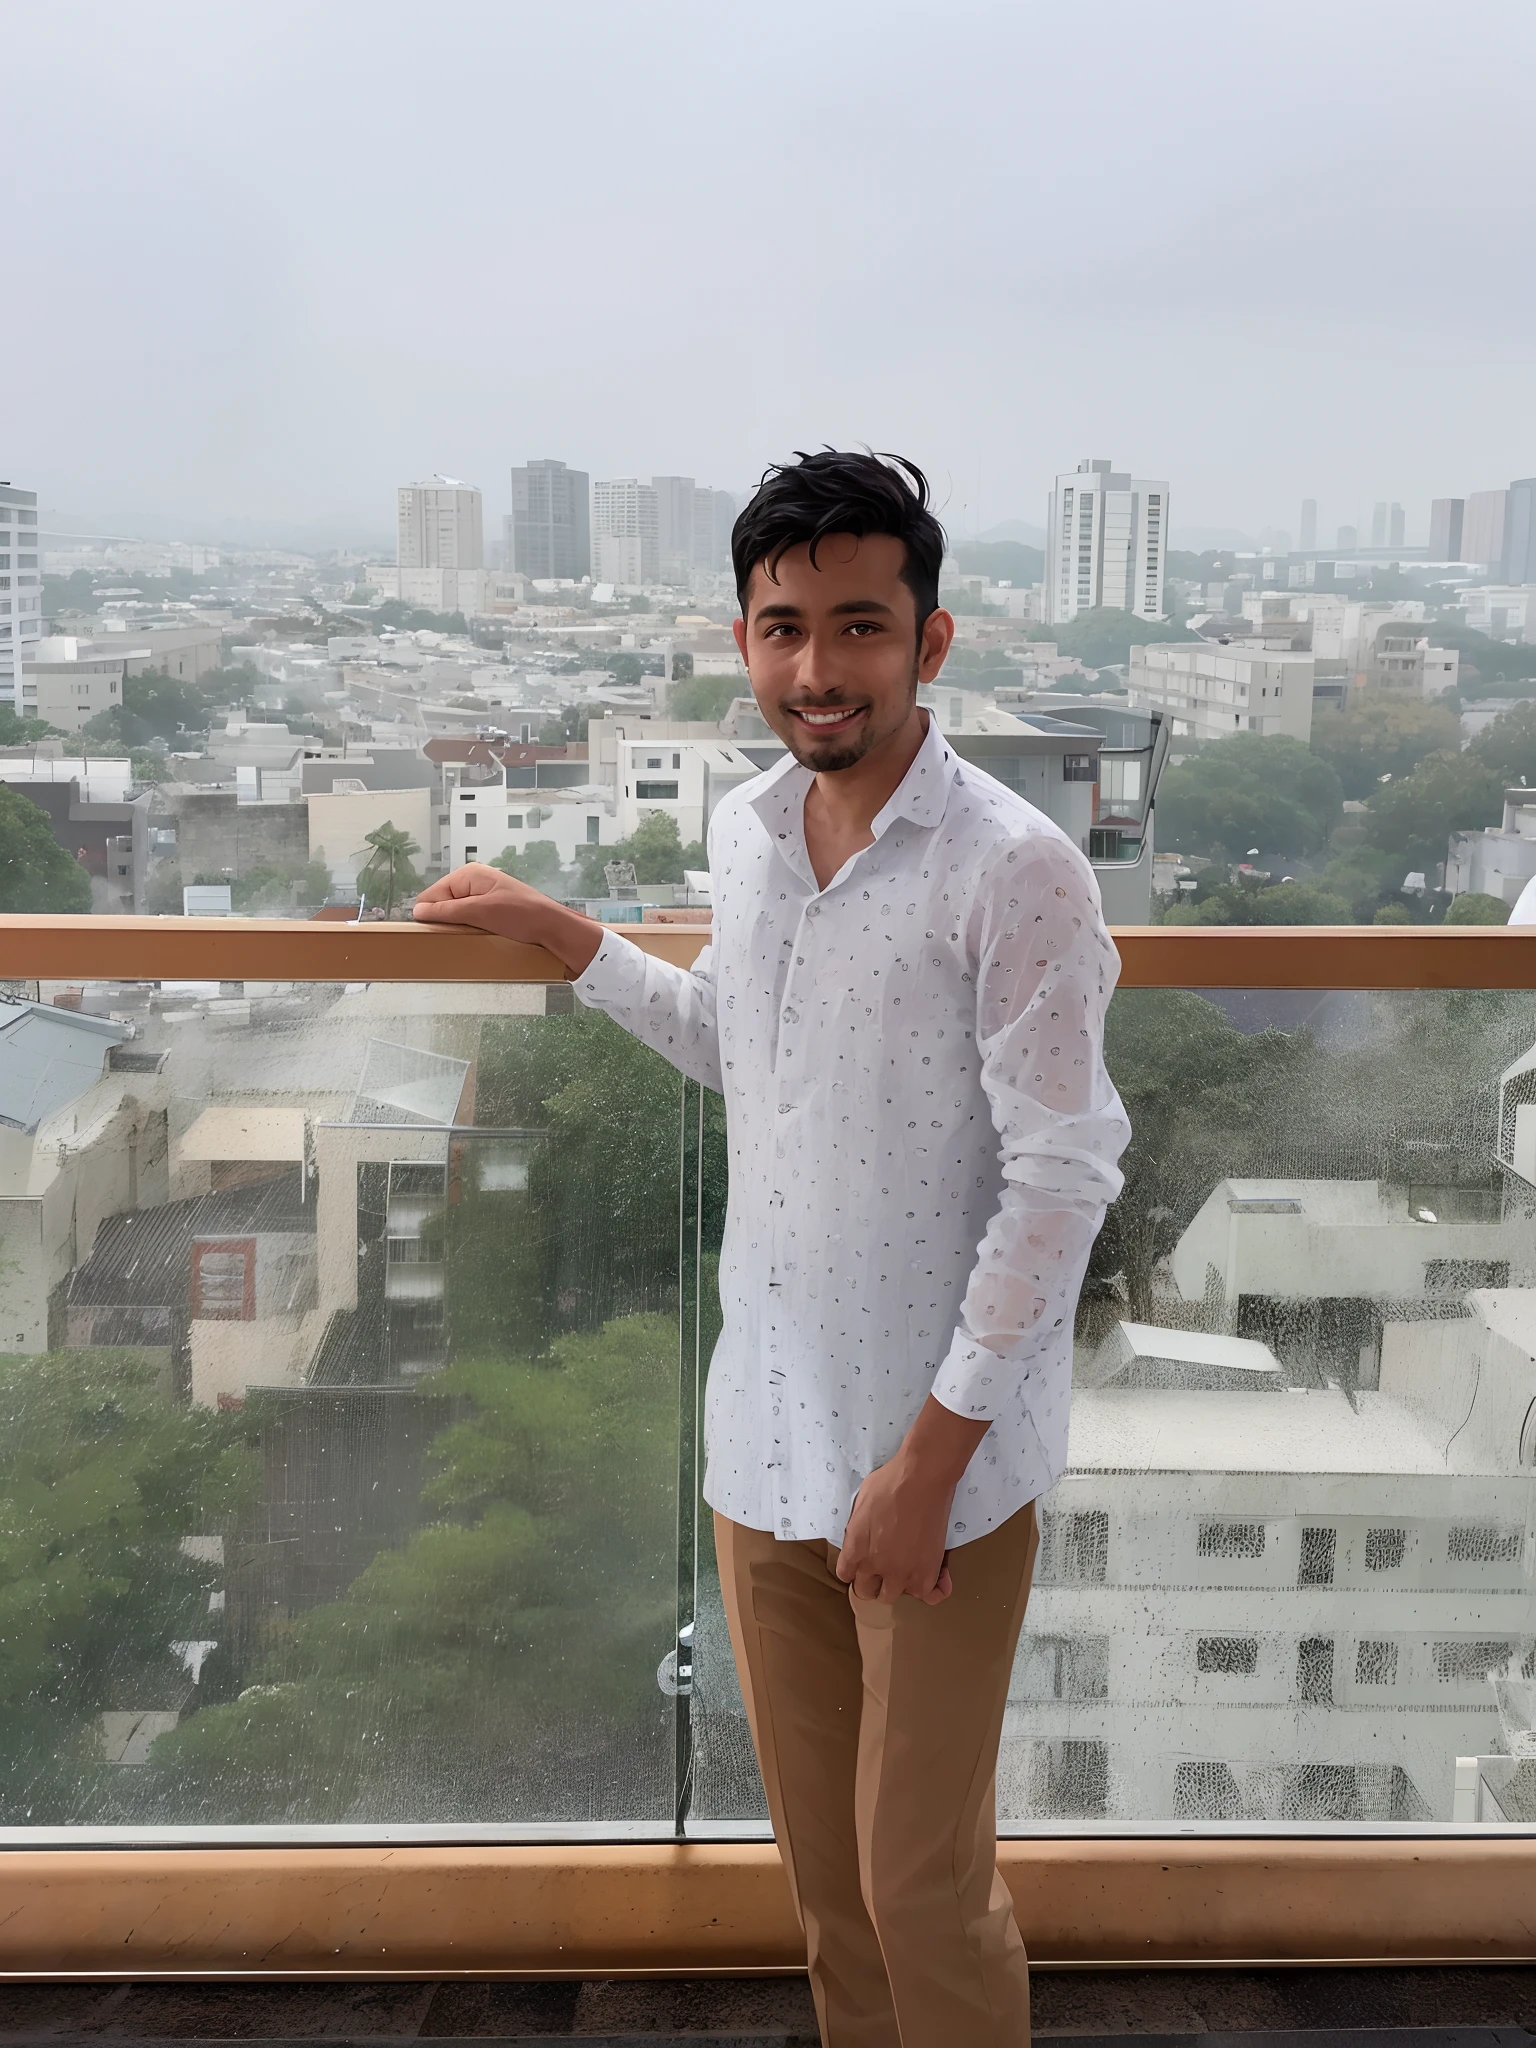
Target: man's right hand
[{"x": 495, "y": 902}]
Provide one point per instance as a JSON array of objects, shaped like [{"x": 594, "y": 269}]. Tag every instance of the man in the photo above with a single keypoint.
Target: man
[{"x": 903, "y": 1005}]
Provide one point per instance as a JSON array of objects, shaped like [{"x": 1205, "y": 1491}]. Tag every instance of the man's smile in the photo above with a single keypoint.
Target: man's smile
[{"x": 832, "y": 718}]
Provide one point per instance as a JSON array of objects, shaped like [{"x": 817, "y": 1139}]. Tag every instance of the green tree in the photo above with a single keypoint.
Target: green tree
[
  {"x": 571, "y": 724},
  {"x": 163, "y": 705},
  {"x": 1250, "y": 790},
  {"x": 658, "y": 853},
  {"x": 1381, "y": 733},
  {"x": 36, "y": 874},
  {"x": 101, "y": 1476},
  {"x": 1392, "y": 913},
  {"x": 22, "y": 732},
  {"x": 1508, "y": 746},
  {"x": 1259, "y": 903},
  {"x": 1446, "y": 793},
  {"x": 538, "y": 865},
  {"x": 388, "y": 872},
  {"x": 705, "y": 697},
  {"x": 623, "y": 666},
  {"x": 1102, "y": 636},
  {"x": 1204, "y": 1100},
  {"x": 504, "y": 1659},
  {"x": 1476, "y": 908}
]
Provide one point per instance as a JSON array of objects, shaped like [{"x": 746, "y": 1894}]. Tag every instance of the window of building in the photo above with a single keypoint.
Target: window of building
[
  {"x": 1314, "y": 1670},
  {"x": 593, "y": 827},
  {"x": 224, "y": 1280},
  {"x": 1079, "y": 768},
  {"x": 653, "y": 760},
  {"x": 1483, "y": 1543},
  {"x": 471, "y": 853},
  {"x": 1071, "y": 1779},
  {"x": 1317, "y": 1553},
  {"x": 655, "y": 792},
  {"x": 1206, "y": 1791},
  {"x": 514, "y": 821},
  {"x": 1228, "y": 1656},
  {"x": 1074, "y": 1548},
  {"x": 1455, "y": 1276},
  {"x": 1468, "y": 1663},
  {"x": 471, "y": 818},
  {"x": 1232, "y": 1539},
  {"x": 677, "y": 760},
  {"x": 1376, "y": 1663},
  {"x": 1385, "y": 1549}
]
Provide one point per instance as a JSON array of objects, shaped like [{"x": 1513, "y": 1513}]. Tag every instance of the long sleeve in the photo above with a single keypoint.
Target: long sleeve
[
  {"x": 671, "y": 1008},
  {"x": 1046, "y": 969}
]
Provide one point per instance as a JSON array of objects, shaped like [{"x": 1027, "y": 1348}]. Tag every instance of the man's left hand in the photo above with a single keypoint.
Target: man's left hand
[{"x": 894, "y": 1542}]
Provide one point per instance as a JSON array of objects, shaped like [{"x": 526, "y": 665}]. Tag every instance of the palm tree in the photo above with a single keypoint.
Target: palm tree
[{"x": 387, "y": 870}]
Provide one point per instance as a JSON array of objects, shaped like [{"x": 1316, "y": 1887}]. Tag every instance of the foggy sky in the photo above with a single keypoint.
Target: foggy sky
[{"x": 275, "y": 259}]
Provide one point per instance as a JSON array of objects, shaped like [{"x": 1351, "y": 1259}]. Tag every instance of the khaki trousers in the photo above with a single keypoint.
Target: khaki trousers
[{"x": 877, "y": 1730}]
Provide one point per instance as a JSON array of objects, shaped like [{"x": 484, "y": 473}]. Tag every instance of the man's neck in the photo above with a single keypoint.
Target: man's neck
[{"x": 851, "y": 799}]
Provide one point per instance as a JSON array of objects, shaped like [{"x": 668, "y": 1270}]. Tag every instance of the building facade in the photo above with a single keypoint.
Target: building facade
[
  {"x": 1447, "y": 517},
  {"x": 1207, "y": 691},
  {"x": 550, "y": 528},
  {"x": 1482, "y": 531},
  {"x": 625, "y": 532},
  {"x": 1106, "y": 543},
  {"x": 21, "y": 588},
  {"x": 439, "y": 536}
]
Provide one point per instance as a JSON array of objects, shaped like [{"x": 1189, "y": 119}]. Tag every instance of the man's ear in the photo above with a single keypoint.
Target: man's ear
[
  {"x": 739, "y": 628},
  {"x": 933, "y": 644}
]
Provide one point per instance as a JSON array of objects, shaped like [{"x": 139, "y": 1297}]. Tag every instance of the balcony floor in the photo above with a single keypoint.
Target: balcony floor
[{"x": 1481, "y": 2007}]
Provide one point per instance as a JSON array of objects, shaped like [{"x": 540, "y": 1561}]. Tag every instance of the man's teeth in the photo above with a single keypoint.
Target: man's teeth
[{"x": 825, "y": 717}]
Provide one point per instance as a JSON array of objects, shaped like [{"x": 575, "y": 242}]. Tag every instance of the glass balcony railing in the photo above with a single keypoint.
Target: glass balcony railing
[{"x": 356, "y": 1333}]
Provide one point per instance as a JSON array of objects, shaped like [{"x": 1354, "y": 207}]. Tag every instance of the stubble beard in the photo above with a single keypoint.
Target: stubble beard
[{"x": 831, "y": 758}]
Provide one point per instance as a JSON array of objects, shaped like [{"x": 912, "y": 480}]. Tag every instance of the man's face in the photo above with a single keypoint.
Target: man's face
[{"x": 834, "y": 651}]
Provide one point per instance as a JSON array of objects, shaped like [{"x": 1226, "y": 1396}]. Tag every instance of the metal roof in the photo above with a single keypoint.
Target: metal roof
[{"x": 48, "y": 1057}]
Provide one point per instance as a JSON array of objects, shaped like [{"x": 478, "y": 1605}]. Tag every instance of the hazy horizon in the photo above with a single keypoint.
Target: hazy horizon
[{"x": 275, "y": 262}]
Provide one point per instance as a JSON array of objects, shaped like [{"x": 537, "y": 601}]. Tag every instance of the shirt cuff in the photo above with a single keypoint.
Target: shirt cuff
[
  {"x": 614, "y": 974},
  {"x": 971, "y": 1378}
]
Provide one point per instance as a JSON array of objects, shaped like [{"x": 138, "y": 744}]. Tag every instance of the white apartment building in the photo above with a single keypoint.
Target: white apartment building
[
  {"x": 68, "y": 694},
  {"x": 439, "y": 538},
  {"x": 625, "y": 532},
  {"x": 1208, "y": 691},
  {"x": 484, "y": 822},
  {"x": 1504, "y": 611},
  {"x": 684, "y": 779},
  {"x": 1500, "y": 859},
  {"x": 1282, "y": 1605},
  {"x": 1106, "y": 543},
  {"x": 21, "y": 588}
]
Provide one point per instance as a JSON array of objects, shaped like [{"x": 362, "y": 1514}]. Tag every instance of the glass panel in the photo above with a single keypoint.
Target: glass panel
[
  {"x": 1286, "y": 1579},
  {"x": 339, "y": 1410},
  {"x": 1287, "y": 1576}
]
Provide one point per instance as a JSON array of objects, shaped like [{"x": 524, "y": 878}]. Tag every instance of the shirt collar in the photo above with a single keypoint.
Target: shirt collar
[{"x": 920, "y": 795}]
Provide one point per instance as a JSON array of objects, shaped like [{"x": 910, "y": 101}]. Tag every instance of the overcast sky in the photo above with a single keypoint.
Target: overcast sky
[{"x": 265, "y": 261}]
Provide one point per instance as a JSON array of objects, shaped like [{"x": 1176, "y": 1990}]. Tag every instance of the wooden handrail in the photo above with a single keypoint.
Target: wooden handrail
[{"x": 278, "y": 949}]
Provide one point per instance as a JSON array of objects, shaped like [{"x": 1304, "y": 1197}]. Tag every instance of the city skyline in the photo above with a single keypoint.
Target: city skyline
[{"x": 623, "y": 315}]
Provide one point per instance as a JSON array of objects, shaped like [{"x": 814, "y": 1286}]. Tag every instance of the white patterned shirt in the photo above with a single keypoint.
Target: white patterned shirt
[{"x": 922, "y": 1135}]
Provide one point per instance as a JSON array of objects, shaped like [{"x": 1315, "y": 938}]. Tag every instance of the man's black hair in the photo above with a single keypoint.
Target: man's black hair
[{"x": 836, "y": 491}]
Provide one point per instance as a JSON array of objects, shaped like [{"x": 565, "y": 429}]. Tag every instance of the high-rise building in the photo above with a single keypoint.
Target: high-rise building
[
  {"x": 674, "y": 527},
  {"x": 1348, "y": 538},
  {"x": 714, "y": 514},
  {"x": 1446, "y": 517},
  {"x": 624, "y": 532},
  {"x": 1308, "y": 525},
  {"x": 1397, "y": 527},
  {"x": 1520, "y": 532},
  {"x": 440, "y": 545},
  {"x": 1379, "y": 526},
  {"x": 1482, "y": 530},
  {"x": 550, "y": 530},
  {"x": 21, "y": 586},
  {"x": 1106, "y": 542}
]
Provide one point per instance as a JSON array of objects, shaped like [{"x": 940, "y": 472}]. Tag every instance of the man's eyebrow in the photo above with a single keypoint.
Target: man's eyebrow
[
  {"x": 778, "y": 611},
  {"x": 861, "y": 604}
]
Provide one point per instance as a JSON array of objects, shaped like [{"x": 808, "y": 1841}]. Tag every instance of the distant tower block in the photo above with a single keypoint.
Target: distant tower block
[{"x": 1308, "y": 525}]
